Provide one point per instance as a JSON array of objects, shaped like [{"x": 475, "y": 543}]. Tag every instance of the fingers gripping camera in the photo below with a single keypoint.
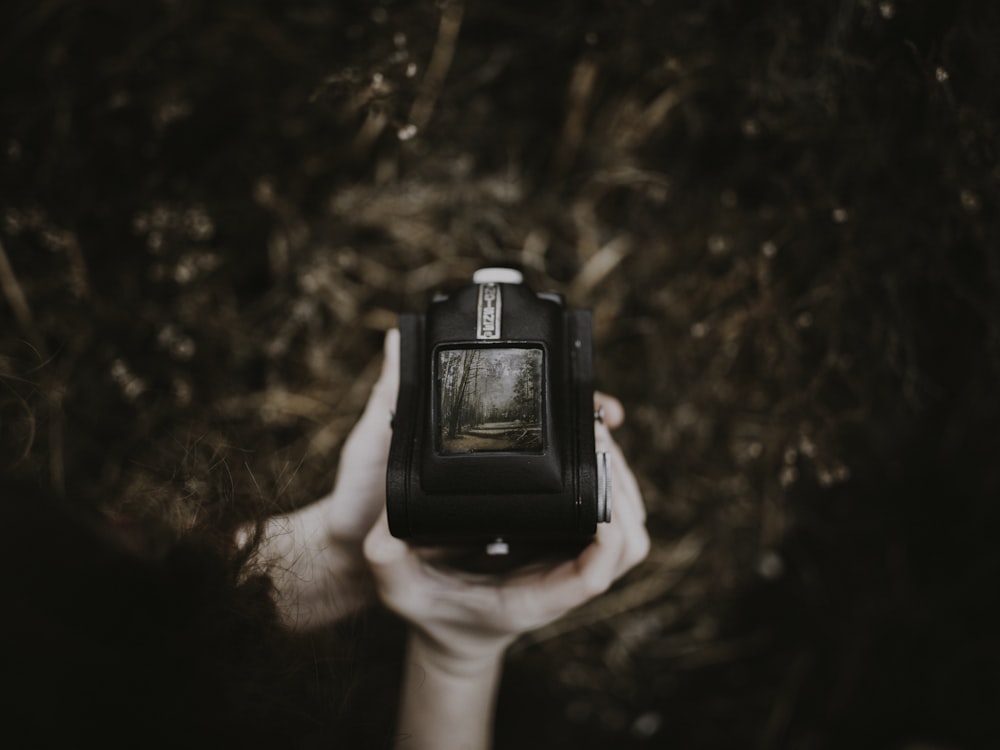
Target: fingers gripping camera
[{"x": 493, "y": 435}]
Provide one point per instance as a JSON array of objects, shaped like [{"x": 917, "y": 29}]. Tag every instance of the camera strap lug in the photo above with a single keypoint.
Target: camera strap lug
[{"x": 497, "y": 548}]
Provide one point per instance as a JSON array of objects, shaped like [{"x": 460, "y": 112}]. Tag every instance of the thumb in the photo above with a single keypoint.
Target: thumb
[{"x": 382, "y": 549}]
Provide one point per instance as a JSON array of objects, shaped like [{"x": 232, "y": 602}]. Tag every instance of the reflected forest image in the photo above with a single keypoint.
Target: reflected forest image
[{"x": 490, "y": 400}]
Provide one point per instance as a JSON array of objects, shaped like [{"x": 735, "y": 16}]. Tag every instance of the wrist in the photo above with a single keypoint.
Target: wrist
[{"x": 459, "y": 660}]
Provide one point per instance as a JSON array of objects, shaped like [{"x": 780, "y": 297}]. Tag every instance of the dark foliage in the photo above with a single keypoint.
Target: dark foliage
[{"x": 783, "y": 214}]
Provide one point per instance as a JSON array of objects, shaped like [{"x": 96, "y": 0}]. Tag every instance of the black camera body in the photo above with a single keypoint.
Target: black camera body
[{"x": 493, "y": 435}]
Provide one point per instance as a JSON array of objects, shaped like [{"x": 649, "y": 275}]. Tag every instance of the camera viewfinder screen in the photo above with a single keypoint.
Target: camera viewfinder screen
[{"x": 490, "y": 400}]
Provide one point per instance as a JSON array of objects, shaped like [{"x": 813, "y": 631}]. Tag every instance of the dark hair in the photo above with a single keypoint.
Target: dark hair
[{"x": 108, "y": 646}]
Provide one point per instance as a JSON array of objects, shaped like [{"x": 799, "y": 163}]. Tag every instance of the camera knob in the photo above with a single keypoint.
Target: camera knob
[
  {"x": 603, "y": 488},
  {"x": 497, "y": 276},
  {"x": 497, "y": 547}
]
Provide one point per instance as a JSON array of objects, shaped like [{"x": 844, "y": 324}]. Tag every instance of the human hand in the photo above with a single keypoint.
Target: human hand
[
  {"x": 463, "y": 620},
  {"x": 314, "y": 554},
  {"x": 358, "y": 495}
]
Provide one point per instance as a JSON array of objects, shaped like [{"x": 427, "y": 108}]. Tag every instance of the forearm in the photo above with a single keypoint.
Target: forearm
[
  {"x": 319, "y": 576},
  {"x": 447, "y": 703}
]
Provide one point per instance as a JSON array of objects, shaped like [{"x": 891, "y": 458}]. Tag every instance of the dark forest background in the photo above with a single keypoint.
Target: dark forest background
[{"x": 783, "y": 215}]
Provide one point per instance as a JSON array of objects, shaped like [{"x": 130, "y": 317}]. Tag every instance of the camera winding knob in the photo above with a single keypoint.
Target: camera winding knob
[
  {"x": 603, "y": 488},
  {"x": 497, "y": 276}
]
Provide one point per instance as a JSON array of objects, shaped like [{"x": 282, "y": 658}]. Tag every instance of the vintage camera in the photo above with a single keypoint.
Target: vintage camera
[{"x": 492, "y": 449}]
